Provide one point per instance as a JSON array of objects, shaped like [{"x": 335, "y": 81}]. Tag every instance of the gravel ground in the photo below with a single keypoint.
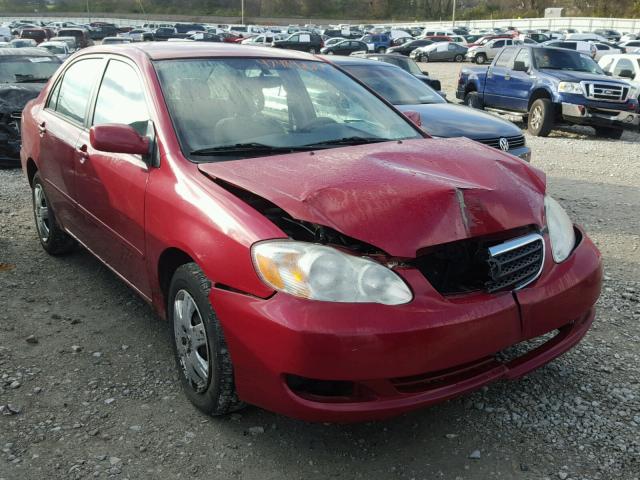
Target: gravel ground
[{"x": 88, "y": 386}]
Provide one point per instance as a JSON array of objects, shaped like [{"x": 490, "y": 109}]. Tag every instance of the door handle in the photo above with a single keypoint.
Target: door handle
[
  {"x": 42, "y": 128},
  {"x": 83, "y": 154}
]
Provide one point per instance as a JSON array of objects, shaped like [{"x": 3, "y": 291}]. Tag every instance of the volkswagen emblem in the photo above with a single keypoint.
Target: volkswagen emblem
[{"x": 504, "y": 144}]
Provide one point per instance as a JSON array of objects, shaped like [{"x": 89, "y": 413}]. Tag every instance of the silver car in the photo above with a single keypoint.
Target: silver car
[
  {"x": 440, "y": 52},
  {"x": 482, "y": 53},
  {"x": 59, "y": 49}
]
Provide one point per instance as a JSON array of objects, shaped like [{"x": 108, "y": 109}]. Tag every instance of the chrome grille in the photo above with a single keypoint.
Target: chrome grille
[
  {"x": 515, "y": 263},
  {"x": 514, "y": 142},
  {"x": 606, "y": 92}
]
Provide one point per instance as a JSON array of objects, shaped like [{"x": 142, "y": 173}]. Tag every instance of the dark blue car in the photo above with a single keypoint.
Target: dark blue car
[{"x": 439, "y": 118}]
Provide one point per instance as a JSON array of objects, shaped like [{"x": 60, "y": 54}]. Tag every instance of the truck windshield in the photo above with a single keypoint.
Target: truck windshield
[{"x": 557, "y": 59}]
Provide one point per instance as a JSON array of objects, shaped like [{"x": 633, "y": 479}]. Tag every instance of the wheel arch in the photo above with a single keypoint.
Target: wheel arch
[
  {"x": 32, "y": 169},
  {"x": 168, "y": 262},
  {"x": 538, "y": 94}
]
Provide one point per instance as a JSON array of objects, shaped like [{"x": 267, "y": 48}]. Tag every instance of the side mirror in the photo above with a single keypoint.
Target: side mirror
[
  {"x": 414, "y": 117},
  {"x": 626, "y": 74},
  {"x": 519, "y": 66},
  {"x": 608, "y": 74},
  {"x": 118, "y": 138}
]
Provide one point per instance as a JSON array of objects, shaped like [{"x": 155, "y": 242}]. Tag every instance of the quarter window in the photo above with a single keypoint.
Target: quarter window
[
  {"x": 76, "y": 87},
  {"x": 121, "y": 98}
]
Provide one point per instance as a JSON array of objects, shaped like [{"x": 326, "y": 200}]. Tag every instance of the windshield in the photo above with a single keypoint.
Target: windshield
[
  {"x": 404, "y": 63},
  {"x": 228, "y": 108},
  {"x": 25, "y": 68},
  {"x": 396, "y": 86},
  {"x": 560, "y": 59}
]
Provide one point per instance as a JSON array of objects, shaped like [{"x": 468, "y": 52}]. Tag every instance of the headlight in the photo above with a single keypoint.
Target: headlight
[
  {"x": 323, "y": 273},
  {"x": 570, "y": 87},
  {"x": 561, "y": 233}
]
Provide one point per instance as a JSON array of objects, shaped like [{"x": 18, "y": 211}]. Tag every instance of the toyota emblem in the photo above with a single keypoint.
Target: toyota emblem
[{"x": 504, "y": 144}]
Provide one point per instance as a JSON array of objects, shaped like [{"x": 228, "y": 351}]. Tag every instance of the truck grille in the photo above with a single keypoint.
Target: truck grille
[
  {"x": 514, "y": 142},
  {"x": 606, "y": 92},
  {"x": 483, "y": 264}
]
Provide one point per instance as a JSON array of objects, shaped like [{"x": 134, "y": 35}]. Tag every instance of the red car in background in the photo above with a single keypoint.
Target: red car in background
[{"x": 314, "y": 252}]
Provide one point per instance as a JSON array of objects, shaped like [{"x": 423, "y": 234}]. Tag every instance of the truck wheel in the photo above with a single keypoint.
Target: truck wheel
[
  {"x": 480, "y": 58},
  {"x": 473, "y": 100},
  {"x": 458, "y": 58},
  {"x": 540, "y": 121},
  {"x": 201, "y": 353},
  {"x": 53, "y": 239},
  {"x": 609, "y": 132}
]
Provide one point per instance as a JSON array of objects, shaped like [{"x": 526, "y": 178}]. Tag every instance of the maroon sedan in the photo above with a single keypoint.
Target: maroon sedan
[{"x": 314, "y": 252}]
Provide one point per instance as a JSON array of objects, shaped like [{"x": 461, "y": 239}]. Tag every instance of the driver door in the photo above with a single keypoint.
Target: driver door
[{"x": 111, "y": 186}]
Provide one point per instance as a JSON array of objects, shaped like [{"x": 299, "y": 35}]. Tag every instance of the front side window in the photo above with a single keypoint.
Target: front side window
[
  {"x": 219, "y": 105},
  {"x": 524, "y": 57},
  {"x": 76, "y": 87},
  {"x": 504, "y": 60},
  {"x": 121, "y": 98},
  {"x": 623, "y": 64}
]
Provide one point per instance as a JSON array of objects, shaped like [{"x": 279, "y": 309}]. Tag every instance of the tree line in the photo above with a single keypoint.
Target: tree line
[{"x": 339, "y": 9}]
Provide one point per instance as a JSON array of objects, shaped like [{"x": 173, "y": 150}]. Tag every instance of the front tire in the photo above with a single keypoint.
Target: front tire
[
  {"x": 473, "y": 100},
  {"x": 480, "y": 59},
  {"x": 53, "y": 238},
  {"x": 540, "y": 122},
  {"x": 609, "y": 132},
  {"x": 458, "y": 58},
  {"x": 200, "y": 350}
]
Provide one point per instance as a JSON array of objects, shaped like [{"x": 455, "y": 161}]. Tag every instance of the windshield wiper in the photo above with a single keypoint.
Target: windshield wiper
[
  {"x": 355, "y": 140},
  {"x": 242, "y": 148}
]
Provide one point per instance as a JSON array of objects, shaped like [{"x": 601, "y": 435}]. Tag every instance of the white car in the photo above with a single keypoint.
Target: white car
[
  {"x": 586, "y": 37},
  {"x": 260, "y": 40},
  {"x": 588, "y": 48},
  {"x": 623, "y": 66},
  {"x": 629, "y": 45},
  {"x": 59, "y": 49},
  {"x": 605, "y": 49},
  {"x": 482, "y": 53}
]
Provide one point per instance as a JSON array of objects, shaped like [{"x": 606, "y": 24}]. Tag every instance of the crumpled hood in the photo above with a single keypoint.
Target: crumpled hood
[
  {"x": 399, "y": 197},
  {"x": 447, "y": 120},
  {"x": 14, "y": 96}
]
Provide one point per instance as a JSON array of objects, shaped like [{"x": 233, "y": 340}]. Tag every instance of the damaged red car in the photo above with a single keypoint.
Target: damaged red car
[{"x": 314, "y": 252}]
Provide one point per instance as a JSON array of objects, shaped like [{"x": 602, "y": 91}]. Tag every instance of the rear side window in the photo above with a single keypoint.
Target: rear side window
[
  {"x": 75, "y": 89},
  {"x": 121, "y": 87}
]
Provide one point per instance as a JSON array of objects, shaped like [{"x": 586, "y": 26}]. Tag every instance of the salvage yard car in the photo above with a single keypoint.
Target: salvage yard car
[
  {"x": 23, "y": 74},
  {"x": 315, "y": 252},
  {"x": 551, "y": 86}
]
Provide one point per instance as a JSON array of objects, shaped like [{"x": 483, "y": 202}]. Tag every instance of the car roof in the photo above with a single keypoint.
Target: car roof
[
  {"x": 337, "y": 60},
  {"x": 28, "y": 51},
  {"x": 179, "y": 50}
]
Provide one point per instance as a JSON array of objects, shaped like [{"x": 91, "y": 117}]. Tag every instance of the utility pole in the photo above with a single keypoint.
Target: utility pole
[
  {"x": 453, "y": 16},
  {"x": 242, "y": 10}
]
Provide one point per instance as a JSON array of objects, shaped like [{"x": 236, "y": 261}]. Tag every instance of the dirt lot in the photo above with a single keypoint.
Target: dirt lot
[{"x": 94, "y": 392}]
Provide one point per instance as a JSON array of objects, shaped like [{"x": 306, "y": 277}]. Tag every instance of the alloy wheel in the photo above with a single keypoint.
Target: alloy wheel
[
  {"x": 536, "y": 117},
  {"x": 41, "y": 210},
  {"x": 191, "y": 341}
]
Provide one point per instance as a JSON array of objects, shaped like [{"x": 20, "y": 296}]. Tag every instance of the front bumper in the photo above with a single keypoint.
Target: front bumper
[
  {"x": 584, "y": 115},
  {"x": 405, "y": 357}
]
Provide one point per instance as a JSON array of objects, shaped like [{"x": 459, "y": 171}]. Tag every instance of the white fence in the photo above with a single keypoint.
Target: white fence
[{"x": 578, "y": 23}]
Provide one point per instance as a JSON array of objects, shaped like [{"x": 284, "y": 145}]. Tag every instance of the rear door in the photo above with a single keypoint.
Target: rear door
[
  {"x": 111, "y": 186},
  {"x": 60, "y": 123}
]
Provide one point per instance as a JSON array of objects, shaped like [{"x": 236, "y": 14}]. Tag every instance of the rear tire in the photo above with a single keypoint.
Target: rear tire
[
  {"x": 196, "y": 333},
  {"x": 473, "y": 100},
  {"x": 540, "y": 121},
  {"x": 458, "y": 58},
  {"x": 609, "y": 132},
  {"x": 53, "y": 238},
  {"x": 480, "y": 59}
]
